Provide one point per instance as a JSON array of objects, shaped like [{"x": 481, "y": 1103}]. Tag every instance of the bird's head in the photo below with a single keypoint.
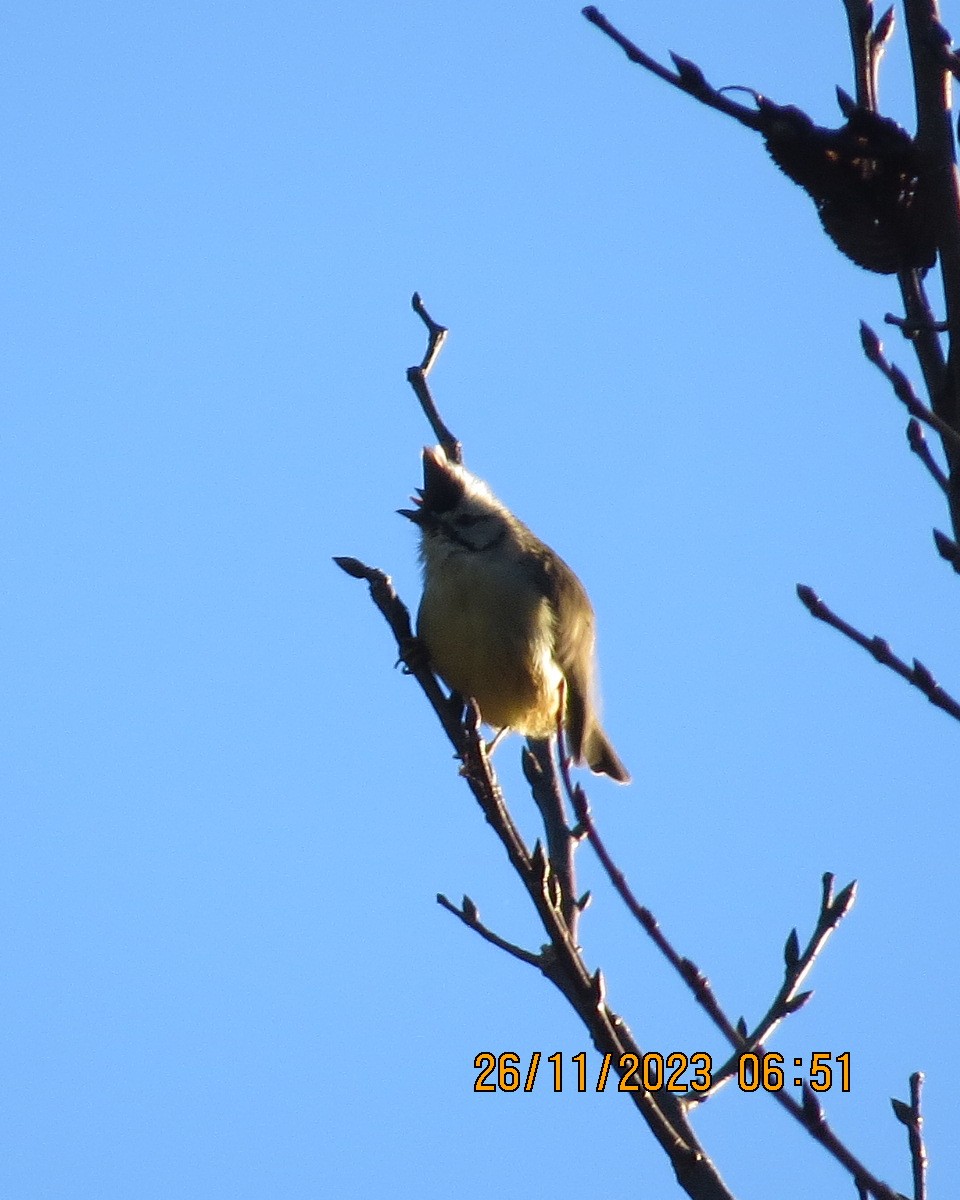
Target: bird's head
[{"x": 456, "y": 507}]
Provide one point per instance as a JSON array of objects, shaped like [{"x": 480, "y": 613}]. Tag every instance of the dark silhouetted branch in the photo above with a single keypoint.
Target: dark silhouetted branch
[
  {"x": 687, "y": 970},
  {"x": 911, "y": 1116},
  {"x": 873, "y": 349},
  {"x": 910, "y": 328},
  {"x": 808, "y": 1111},
  {"x": 688, "y": 77},
  {"x": 469, "y": 915},
  {"x": 918, "y": 674},
  {"x": 868, "y": 43},
  {"x": 417, "y": 378},
  {"x": 797, "y": 966}
]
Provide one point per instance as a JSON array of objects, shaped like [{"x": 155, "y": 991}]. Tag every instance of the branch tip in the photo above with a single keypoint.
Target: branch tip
[{"x": 353, "y": 566}]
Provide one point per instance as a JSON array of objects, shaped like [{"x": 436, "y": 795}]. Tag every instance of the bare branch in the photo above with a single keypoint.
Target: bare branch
[
  {"x": 688, "y": 77},
  {"x": 910, "y": 327},
  {"x": 922, "y": 328},
  {"x": 471, "y": 918},
  {"x": 868, "y": 45},
  {"x": 798, "y": 965},
  {"x": 397, "y": 616},
  {"x": 417, "y": 378},
  {"x": 918, "y": 674},
  {"x": 688, "y": 971},
  {"x": 873, "y": 349},
  {"x": 910, "y": 1116},
  {"x": 832, "y": 911},
  {"x": 918, "y": 1151}
]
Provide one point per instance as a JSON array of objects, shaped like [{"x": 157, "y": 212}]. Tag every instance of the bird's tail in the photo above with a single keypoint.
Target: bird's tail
[{"x": 601, "y": 757}]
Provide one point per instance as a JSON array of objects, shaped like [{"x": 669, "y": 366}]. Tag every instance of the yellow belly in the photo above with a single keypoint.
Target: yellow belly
[{"x": 494, "y": 642}]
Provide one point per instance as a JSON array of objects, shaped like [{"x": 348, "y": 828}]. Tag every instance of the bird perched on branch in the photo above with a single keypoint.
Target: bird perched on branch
[{"x": 503, "y": 619}]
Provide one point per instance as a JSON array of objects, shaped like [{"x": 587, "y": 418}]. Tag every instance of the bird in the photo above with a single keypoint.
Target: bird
[{"x": 503, "y": 619}]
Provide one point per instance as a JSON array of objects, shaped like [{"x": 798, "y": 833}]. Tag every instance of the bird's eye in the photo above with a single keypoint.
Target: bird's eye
[{"x": 465, "y": 520}]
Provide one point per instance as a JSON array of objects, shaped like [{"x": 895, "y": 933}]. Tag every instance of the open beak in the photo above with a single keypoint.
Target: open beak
[{"x": 416, "y": 515}]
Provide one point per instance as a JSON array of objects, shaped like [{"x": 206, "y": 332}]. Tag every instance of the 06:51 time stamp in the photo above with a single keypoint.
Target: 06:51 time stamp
[{"x": 676, "y": 1072}]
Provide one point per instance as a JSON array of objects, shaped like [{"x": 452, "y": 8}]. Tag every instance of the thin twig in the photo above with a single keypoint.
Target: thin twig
[
  {"x": 868, "y": 44},
  {"x": 789, "y": 999},
  {"x": 922, "y": 328},
  {"x": 798, "y": 965},
  {"x": 808, "y": 1113},
  {"x": 910, "y": 328},
  {"x": 860, "y": 24},
  {"x": 918, "y": 1151},
  {"x": 417, "y": 378},
  {"x": 471, "y": 918},
  {"x": 811, "y": 1116},
  {"x": 879, "y": 648},
  {"x": 464, "y": 734},
  {"x": 397, "y": 616},
  {"x": 688, "y": 77},
  {"x": 687, "y": 970},
  {"x": 911, "y": 1116},
  {"x": 873, "y": 349}
]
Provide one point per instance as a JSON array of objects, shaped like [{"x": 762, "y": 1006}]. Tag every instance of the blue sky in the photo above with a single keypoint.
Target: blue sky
[{"x": 226, "y": 814}]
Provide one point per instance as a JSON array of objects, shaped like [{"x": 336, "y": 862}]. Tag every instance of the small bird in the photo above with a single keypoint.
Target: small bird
[{"x": 503, "y": 618}]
